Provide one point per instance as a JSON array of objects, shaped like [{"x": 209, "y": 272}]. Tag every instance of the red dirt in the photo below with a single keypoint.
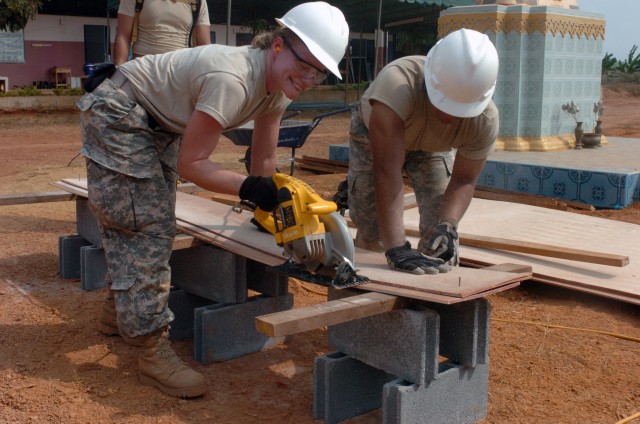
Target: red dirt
[{"x": 56, "y": 368}]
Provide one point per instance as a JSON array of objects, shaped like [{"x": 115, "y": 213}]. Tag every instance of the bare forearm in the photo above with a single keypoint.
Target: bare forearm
[
  {"x": 212, "y": 177},
  {"x": 456, "y": 201},
  {"x": 459, "y": 192}
]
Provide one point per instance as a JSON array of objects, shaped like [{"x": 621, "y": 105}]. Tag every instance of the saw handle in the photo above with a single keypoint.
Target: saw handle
[
  {"x": 266, "y": 220},
  {"x": 321, "y": 208}
]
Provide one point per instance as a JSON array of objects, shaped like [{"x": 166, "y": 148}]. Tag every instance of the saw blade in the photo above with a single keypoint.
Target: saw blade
[{"x": 341, "y": 246}]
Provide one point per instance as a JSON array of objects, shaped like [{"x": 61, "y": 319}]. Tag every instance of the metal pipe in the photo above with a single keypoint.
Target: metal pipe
[{"x": 228, "y": 21}]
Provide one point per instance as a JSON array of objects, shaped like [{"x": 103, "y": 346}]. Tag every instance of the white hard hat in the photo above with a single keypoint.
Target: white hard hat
[
  {"x": 323, "y": 29},
  {"x": 460, "y": 73}
]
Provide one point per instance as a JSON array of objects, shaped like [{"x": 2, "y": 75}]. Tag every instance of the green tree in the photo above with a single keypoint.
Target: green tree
[
  {"x": 257, "y": 26},
  {"x": 608, "y": 63},
  {"x": 632, "y": 63},
  {"x": 14, "y": 14}
]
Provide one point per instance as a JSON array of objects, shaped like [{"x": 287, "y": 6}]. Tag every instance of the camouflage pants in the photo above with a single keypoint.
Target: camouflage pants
[
  {"x": 135, "y": 208},
  {"x": 429, "y": 173}
]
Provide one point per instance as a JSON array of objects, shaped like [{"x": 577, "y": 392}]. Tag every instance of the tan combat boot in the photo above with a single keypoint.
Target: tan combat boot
[
  {"x": 108, "y": 322},
  {"x": 160, "y": 367}
]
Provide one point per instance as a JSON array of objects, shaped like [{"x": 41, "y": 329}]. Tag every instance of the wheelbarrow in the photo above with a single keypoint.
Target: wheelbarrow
[{"x": 293, "y": 134}]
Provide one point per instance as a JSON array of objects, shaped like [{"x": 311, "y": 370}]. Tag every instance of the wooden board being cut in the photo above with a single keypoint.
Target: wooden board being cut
[
  {"x": 218, "y": 224},
  {"x": 459, "y": 282}
]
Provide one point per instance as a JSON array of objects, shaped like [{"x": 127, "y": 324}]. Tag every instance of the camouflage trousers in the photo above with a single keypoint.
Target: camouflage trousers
[
  {"x": 135, "y": 207},
  {"x": 428, "y": 172}
]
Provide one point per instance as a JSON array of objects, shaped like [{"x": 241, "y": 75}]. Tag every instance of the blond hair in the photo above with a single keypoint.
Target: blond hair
[{"x": 264, "y": 40}]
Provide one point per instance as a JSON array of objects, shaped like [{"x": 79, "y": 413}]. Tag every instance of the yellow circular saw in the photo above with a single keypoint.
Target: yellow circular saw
[{"x": 311, "y": 232}]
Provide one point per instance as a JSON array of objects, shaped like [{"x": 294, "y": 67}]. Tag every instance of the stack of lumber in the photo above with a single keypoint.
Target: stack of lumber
[
  {"x": 565, "y": 231},
  {"x": 217, "y": 224},
  {"x": 321, "y": 165}
]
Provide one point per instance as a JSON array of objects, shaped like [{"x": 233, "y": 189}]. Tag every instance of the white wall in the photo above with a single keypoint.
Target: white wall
[
  {"x": 71, "y": 29},
  {"x": 63, "y": 28}
]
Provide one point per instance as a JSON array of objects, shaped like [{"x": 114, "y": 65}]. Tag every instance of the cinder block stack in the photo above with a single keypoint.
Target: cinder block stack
[
  {"x": 209, "y": 296},
  {"x": 424, "y": 364}
]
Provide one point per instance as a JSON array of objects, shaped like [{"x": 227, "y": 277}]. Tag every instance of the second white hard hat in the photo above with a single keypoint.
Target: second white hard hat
[
  {"x": 460, "y": 73},
  {"x": 323, "y": 29}
]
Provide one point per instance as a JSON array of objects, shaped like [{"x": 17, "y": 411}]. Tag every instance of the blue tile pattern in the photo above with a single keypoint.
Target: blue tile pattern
[
  {"x": 606, "y": 177},
  {"x": 602, "y": 189}
]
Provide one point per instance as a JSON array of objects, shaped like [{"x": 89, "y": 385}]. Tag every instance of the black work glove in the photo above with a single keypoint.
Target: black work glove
[
  {"x": 442, "y": 244},
  {"x": 261, "y": 191},
  {"x": 404, "y": 258}
]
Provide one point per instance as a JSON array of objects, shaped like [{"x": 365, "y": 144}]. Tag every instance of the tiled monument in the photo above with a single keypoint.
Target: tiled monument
[{"x": 549, "y": 56}]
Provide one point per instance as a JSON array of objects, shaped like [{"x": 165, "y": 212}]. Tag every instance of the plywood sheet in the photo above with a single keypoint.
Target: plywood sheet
[
  {"x": 571, "y": 230},
  {"x": 218, "y": 224},
  {"x": 459, "y": 282}
]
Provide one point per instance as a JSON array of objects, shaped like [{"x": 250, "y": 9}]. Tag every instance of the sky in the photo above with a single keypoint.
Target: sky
[{"x": 621, "y": 19}]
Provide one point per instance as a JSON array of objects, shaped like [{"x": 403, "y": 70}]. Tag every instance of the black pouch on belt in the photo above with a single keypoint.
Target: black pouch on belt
[{"x": 101, "y": 72}]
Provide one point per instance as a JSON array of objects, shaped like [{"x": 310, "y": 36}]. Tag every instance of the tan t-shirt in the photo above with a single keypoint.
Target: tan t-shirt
[
  {"x": 400, "y": 86},
  {"x": 164, "y": 25},
  {"x": 228, "y": 83}
]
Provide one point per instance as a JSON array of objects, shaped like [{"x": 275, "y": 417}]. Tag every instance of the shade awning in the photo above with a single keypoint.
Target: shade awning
[{"x": 446, "y": 3}]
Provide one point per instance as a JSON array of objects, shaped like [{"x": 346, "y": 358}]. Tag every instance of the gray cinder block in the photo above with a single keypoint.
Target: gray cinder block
[
  {"x": 260, "y": 279},
  {"x": 93, "y": 267},
  {"x": 210, "y": 272},
  {"x": 464, "y": 331},
  {"x": 183, "y": 306},
  {"x": 339, "y": 152},
  {"x": 459, "y": 395},
  {"x": 344, "y": 387},
  {"x": 403, "y": 342},
  {"x": 224, "y": 331},
  {"x": 86, "y": 222},
  {"x": 69, "y": 255}
]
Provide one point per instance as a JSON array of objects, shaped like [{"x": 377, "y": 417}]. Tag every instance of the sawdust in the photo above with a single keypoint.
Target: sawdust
[{"x": 55, "y": 367}]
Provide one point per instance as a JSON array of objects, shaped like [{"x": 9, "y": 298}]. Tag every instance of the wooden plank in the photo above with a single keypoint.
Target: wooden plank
[
  {"x": 64, "y": 196},
  {"x": 539, "y": 249},
  {"x": 569, "y": 285},
  {"x": 219, "y": 225},
  {"x": 533, "y": 248},
  {"x": 498, "y": 219},
  {"x": 459, "y": 282},
  {"x": 515, "y": 198},
  {"x": 185, "y": 241},
  {"x": 436, "y": 298},
  {"x": 319, "y": 160},
  {"x": 483, "y": 192},
  {"x": 353, "y": 307},
  {"x": 40, "y": 197},
  {"x": 327, "y": 313},
  {"x": 318, "y": 168}
]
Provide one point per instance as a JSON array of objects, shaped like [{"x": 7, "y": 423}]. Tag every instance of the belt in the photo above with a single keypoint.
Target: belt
[{"x": 123, "y": 83}]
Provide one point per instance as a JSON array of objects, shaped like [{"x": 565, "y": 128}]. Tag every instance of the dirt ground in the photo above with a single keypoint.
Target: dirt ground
[{"x": 56, "y": 368}]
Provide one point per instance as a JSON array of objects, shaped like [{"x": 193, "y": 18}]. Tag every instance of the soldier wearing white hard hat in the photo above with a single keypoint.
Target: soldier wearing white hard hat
[
  {"x": 432, "y": 118},
  {"x": 161, "y": 116}
]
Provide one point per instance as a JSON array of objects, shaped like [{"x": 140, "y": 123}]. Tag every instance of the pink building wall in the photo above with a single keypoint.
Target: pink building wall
[
  {"x": 40, "y": 61},
  {"x": 51, "y": 41}
]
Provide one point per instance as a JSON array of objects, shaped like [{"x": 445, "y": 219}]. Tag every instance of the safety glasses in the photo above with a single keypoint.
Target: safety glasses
[{"x": 309, "y": 71}]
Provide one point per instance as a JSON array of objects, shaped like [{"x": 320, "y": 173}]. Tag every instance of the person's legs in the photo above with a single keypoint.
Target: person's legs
[
  {"x": 131, "y": 181},
  {"x": 137, "y": 224},
  {"x": 361, "y": 192}
]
